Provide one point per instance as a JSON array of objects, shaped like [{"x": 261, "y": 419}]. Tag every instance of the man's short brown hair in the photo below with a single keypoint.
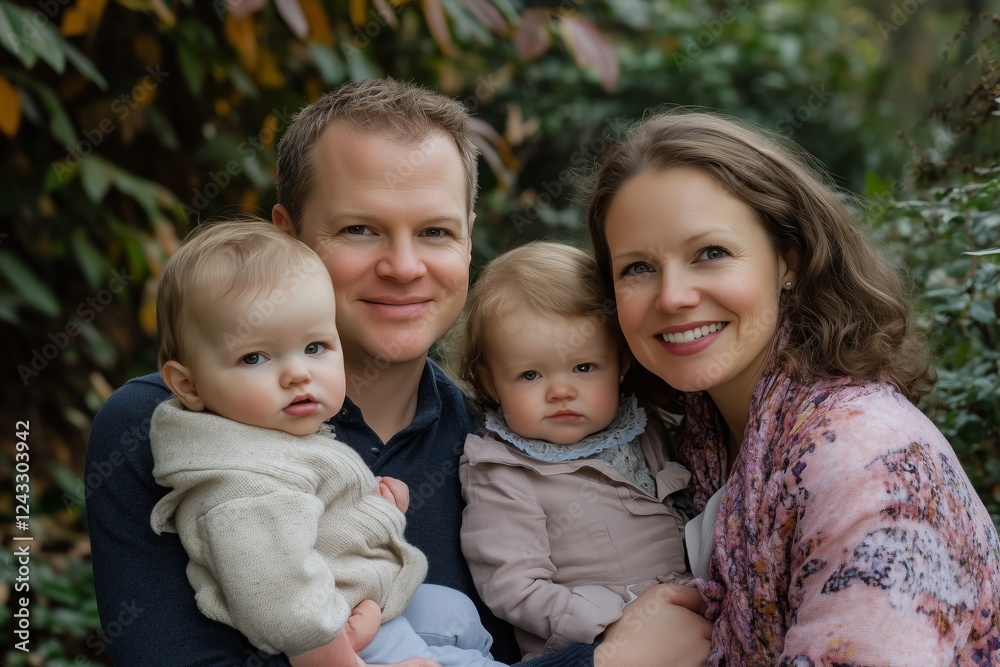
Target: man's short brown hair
[{"x": 380, "y": 107}]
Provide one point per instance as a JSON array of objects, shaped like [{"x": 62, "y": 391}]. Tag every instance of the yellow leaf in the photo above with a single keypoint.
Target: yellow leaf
[
  {"x": 10, "y": 108},
  {"x": 314, "y": 88},
  {"x": 319, "y": 23},
  {"x": 358, "y": 8},
  {"x": 83, "y": 18},
  {"x": 147, "y": 307},
  {"x": 166, "y": 235},
  {"x": 250, "y": 201},
  {"x": 239, "y": 33},
  {"x": 268, "y": 73},
  {"x": 74, "y": 22}
]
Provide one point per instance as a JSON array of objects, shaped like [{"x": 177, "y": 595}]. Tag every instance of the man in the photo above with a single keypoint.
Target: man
[{"x": 379, "y": 178}]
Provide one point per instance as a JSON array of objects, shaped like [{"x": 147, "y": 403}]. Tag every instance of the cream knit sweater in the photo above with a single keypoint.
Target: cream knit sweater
[{"x": 286, "y": 534}]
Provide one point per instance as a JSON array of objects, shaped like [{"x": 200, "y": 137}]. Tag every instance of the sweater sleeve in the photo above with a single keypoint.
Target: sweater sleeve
[
  {"x": 278, "y": 590},
  {"x": 892, "y": 574},
  {"x": 145, "y": 601},
  {"x": 522, "y": 590}
]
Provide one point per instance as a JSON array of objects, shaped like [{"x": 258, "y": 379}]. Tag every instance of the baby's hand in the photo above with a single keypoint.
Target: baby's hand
[{"x": 394, "y": 491}]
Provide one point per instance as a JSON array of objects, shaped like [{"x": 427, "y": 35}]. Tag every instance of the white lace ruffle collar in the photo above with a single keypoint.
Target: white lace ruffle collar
[{"x": 629, "y": 423}]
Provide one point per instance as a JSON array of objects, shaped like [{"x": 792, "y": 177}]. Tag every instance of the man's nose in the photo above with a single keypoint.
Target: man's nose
[{"x": 401, "y": 261}]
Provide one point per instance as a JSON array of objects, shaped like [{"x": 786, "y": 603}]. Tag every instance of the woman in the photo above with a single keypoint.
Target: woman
[{"x": 847, "y": 531}]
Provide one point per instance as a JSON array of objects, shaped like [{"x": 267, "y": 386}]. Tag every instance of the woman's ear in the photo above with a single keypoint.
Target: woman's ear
[
  {"x": 623, "y": 368},
  {"x": 180, "y": 381},
  {"x": 792, "y": 261}
]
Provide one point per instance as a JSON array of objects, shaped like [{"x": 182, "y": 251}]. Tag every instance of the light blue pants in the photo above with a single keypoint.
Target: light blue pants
[{"x": 439, "y": 624}]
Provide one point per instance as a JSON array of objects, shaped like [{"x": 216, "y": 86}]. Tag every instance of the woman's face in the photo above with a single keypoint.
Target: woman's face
[{"x": 697, "y": 282}]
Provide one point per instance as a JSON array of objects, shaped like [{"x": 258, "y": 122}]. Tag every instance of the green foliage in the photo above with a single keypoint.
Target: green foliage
[
  {"x": 125, "y": 123},
  {"x": 949, "y": 238}
]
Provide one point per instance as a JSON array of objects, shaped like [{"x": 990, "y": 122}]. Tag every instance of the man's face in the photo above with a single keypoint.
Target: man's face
[{"x": 390, "y": 224}]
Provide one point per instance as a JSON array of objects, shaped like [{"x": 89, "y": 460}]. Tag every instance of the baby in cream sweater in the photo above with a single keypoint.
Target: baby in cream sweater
[{"x": 286, "y": 528}]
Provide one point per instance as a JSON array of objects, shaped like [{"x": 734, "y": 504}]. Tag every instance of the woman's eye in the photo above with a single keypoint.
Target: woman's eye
[
  {"x": 253, "y": 359},
  {"x": 583, "y": 368},
  {"x": 356, "y": 230},
  {"x": 315, "y": 348},
  {"x": 635, "y": 269},
  {"x": 530, "y": 375},
  {"x": 714, "y": 252}
]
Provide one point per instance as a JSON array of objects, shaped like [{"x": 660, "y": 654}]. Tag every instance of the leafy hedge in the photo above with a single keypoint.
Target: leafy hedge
[{"x": 123, "y": 123}]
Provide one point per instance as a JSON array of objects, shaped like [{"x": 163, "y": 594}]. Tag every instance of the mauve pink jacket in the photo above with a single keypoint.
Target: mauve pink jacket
[{"x": 555, "y": 547}]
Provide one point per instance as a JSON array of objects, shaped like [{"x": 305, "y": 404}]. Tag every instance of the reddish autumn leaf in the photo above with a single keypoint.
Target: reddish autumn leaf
[
  {"x": 590, "y": 48},
  {"x": 485, "y": 130},
  {"x": 488, "y": 15},
  {"x": 243, "y": 8},
  {"x": 438, "y": 26},
  {"x": 10, "y": 108},
  {"x": 532, "y": 38},
  {"x": 386, "y": 12},
  {"x": 291, "y": 11}
]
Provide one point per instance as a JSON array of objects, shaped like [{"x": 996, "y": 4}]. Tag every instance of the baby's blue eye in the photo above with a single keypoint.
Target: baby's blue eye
[
  {"x": 530, "y": 375},
  {"x": 315, "y": 348},
  {"x": 253, "y": 359}
]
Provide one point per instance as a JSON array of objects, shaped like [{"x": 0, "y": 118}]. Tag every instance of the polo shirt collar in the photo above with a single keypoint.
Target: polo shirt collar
[{"x": 428, "y": 402}]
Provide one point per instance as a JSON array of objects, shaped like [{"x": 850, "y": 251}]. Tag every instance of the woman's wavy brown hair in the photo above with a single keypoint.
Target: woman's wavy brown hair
[{"x": 849, "y": 312}]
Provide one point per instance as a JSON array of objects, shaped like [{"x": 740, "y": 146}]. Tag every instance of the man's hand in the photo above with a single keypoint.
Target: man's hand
[
  {"x": 394, "y": 491},
  {"x": 660, "y": 628}
]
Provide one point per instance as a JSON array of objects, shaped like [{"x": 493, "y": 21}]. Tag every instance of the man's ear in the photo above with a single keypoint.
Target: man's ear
[
  {"x": 283, "y": 221},
  {"x": 180, "y": 381}
]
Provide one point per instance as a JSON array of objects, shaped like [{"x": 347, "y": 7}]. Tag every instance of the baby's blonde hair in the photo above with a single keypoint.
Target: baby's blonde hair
[
  {"x": 236, "y": 258},
  {"x": 541, "y": 278}
]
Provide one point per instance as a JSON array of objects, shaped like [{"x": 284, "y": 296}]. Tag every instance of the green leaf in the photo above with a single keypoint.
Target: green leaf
[
  {"x": 31, "y": 289},
  {"x": 59, "y": 174},
  {"x": 359, "y": 67},
  {"x": 83, "y": 64},
  {"x": 59, "y": 122},
  {"x": 982, "y": 311},
  {"x": 162, "y": 128},
  {"x": 42, "y": 39},
  {"x": 90, "y": 261},
  {"x": 7, "y": 312},
  {"x": 242, "y": 82},
  {"x": 329, "y": 64},
  {"x": 12, "y": 42},
  {"x": 983, "y": 253},
  {"x": 95, "y": 178},
  {"x": 191, "y": 68},
  {"x": 144, "y": 192}
]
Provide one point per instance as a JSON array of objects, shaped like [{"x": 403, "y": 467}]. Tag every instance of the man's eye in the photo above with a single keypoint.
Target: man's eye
[
  {"x": 435, "y": 232},
  {"x": 253, "y": 359},
  {"x": 530, "y": 375},
  {"x": 315, "y": 348}
]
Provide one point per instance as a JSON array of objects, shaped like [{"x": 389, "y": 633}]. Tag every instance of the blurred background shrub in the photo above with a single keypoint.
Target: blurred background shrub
[{"x": 124, "y": 123}]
